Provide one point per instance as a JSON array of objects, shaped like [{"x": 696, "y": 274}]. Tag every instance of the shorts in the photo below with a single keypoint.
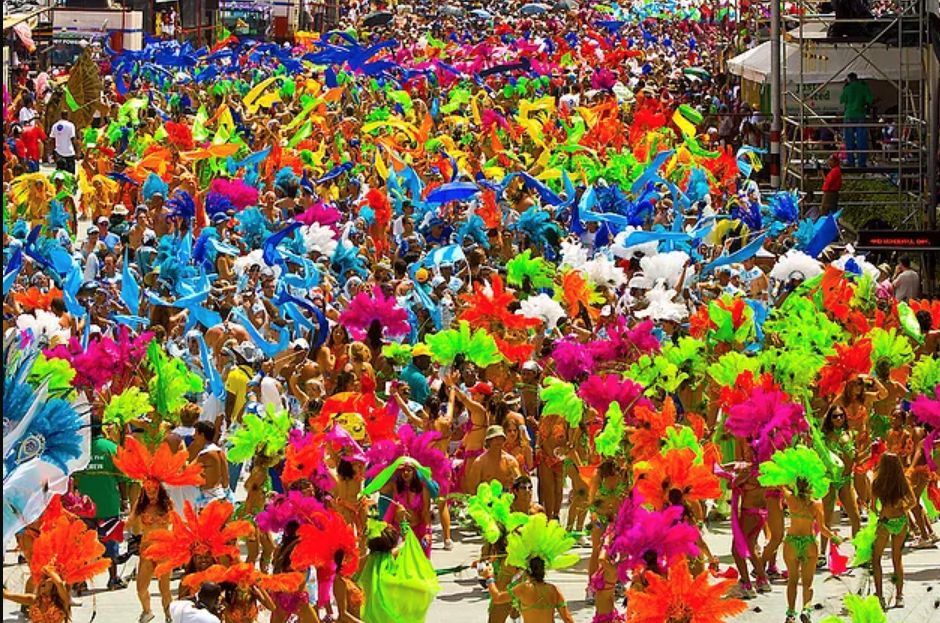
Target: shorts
[
  {"x": 69, "y": 162},
  {"x": 219, "y": 492}
]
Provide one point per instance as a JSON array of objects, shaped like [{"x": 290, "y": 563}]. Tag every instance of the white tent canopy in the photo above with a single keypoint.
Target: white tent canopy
[{"x": 828, "y": 61}]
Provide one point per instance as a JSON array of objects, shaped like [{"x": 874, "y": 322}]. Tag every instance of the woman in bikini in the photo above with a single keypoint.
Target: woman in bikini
[
  {"x": 260, "y": 541},
  {"x": 839, "y": 441},
  {"x": 151, "y": 512},
  {"x": 858, "y": 400},
  {"x": 607, "y": 491},
  {"x": 892, "y": 491},
  {"x": 536, "y": 600},
  {"x": 799, "y": 546},
  {"x": 49, "y": 603},
  {"x": 550, "y": 450},
  {"x": 752, "y": 518},
  {"x": 919, "y": 474},
  {"x": 346, "y": 498},
  {"x": 295, "y": 603},
  {"x": 604, "y": 584},
  {"x": 579, "y": 498}
]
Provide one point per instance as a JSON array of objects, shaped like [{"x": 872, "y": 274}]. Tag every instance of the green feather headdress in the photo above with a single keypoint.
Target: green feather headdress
[
  {"x": 170, "y": 383},
  {"x": 867, "y": 610},
  {"x": 561, "y": 399},
  {"x": 890, "y": 347},
  {"x": 785, "y": 467},
  {"x": 267, "y": 435},
  {"x": 130, "y": 404},
  {"x": 479, "y": 346},
  {"x": 541, "y": 538},
  {"x": 539, "y": 271},
  {"x": 610, "y": 441},
  {"x": 729, "y": 366},
  {"x": 490, "y": 510},
  {"x": 925, "y": 375}
]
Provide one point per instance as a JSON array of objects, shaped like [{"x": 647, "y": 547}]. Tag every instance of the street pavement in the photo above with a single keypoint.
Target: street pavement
[{"x": 463, "y": 600}]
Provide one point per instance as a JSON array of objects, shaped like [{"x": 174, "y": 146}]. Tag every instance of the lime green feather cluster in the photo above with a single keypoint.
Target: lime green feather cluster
[
  {"x": 785, "y": 467},
  {"x": 728, "y": 368},
  {"x": 267, "y": 435},
  {"x": 793, "y": 370},
  {"x": 478, "y": 346},
  {"x": 490, "y": 510},
  {"x": 925, "y": 376},
  {"x": 688, "y": 354},
  {"x": 539, "y": 271},
  {"x": 657, "y": 374},
  {"x": 862, "y": 610},
  {"x": 610, "y": 441},
  {"x": 890, "y": 347},
  {"x": 562, "y": 399},
  {"x": 864, "y": 296},
  {"x": 864, "y": 541},
  {"x": 130, "y": 404},
  {"x": 171, "y": 381},
  {"x": 541, "y": 538},
  {"x": 799, "y": 324},
  {"x": 399, "y": 354},
  {"x": 56, "y": 373}
]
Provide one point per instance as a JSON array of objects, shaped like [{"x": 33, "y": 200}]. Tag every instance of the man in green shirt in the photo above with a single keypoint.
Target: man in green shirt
[
  {"x": 104, "y": 484},
  {"x": 856, "y": 99}
]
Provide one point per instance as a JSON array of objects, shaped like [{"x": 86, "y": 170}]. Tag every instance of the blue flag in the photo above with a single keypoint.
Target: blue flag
[{"x": 130, "y": 290}]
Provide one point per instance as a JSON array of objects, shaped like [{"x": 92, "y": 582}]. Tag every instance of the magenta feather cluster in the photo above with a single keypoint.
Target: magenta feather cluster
[
  {"x": 768, "y": 421},
  {"x": 105, "y": 360},
  {"x": 287, "y": 507},
  {"x": 640, "y": 533},
  {"x": 419, "y": 446},
  {"x": 599, "y": 391},
  {"x": 322, "y": 213},
  {"x": 238, "y": 192},
  {"x": 365, "y": 309}
]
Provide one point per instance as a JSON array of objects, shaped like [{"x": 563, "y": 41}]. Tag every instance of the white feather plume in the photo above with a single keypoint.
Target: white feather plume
[
  {"x": 661, "y": 305},
  {"x": 573, "y": 254},
  {"x": 319, "y": 238},
  {"x": 243, "y": 263},
  {"x": 795, "y": 263},
  {"x": 544, "y": 307},
  {"x": 867, "y": 267},
  {"x": 603, "y": 271},
  {"x": 619, "y": 249},
  {"x": 44, "y": 327},
  {"x": 663, "y": 268}
]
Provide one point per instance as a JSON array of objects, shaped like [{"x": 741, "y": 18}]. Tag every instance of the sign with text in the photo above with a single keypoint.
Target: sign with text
[{"x": 890, "y": 240}]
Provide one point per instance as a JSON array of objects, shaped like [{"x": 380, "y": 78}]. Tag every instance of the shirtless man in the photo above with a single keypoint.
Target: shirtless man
[
  {"x": 214, "y": 466},
  {"x": 477, "y": 421},
  {"x": 495, "y": 463}
]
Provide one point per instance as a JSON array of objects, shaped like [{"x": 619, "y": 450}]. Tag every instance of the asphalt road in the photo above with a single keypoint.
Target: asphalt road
[{"x": 462, "y": 600}]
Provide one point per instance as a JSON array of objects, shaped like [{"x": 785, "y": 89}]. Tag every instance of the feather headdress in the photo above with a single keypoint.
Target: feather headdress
[
  {"x": 208, "y": 533},
  {"x": 478, "y": 347},
  {"x": 861, "y": 610},
  {"x": 414, "y": 444},
  {"x": 364, "y": 310},
  {"x": 639, "y": 533},
  {"x": 490, "y": 510},
  {"x": 572, "y": 359},
  {"x": 244, "y": 575},
  {"x": 680, "y": 596},
  {"x": 788, "y": 466},
  {"x": 543, "y": 307},
  {"x": 162, "y": 466},
  {"x": 663, "y": 268},
  {"x": 662, "y": 306},
  {"x": 887, "y": 346},
  {"x": 284, "y": 508},
  {"x": 768, "y": 421},
  {"x": 795, "y": 265},
  {"x": 126, "y": 406},
  {"x": 600, "y": 391},
  {"x": 540, "y": 538},
  {"x": 171, "y": 382},
  {"x": 850, "y": 361},
  {"x": 488, "y": 307},
  {"x": 578, "y": 293},
  {"x": 561, "y": 399},
  {"x": 267, "y": 435},
  {"x": 647, "y": 437},
  {"x": 610, "y": 441},
  {"x": 43, "y": 328},
  {"x": 66, "y": 545},
  {"x": 674, "y": 470},
  {"x": 322, "y": 540},
  {"x": 238, "y": 192},
  {"x": 538, "y": 271}
]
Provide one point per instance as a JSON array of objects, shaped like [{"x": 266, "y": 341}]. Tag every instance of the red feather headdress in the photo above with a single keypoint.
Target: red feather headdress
[
  {"x": 319, "y": 544},
  {"x": 676, "y": 469},
  {"x": 849, "y": 362},
  {"x": 66, "y": 546},
  {"x": 244, "y": 575},
  {"x": 680, "y": 596},
  {"x": 488, "y": 307}
]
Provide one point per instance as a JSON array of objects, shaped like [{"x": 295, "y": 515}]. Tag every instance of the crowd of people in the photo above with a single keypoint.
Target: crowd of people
[{"x": 278, "y": 319}]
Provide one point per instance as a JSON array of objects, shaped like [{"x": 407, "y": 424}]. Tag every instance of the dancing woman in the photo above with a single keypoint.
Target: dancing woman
[
  {"x": 892, "y": 491},
  {"x": 839, "y": 440}
]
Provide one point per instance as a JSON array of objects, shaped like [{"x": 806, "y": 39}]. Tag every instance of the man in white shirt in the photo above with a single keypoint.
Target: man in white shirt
[
  {"x": 202, "y": 610},
  {"x": 64, "y": 138},
  {"x": 28, "y": 114}
]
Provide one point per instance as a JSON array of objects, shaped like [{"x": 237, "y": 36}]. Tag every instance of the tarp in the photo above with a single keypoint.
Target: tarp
[{"x": 826, "y": 60}]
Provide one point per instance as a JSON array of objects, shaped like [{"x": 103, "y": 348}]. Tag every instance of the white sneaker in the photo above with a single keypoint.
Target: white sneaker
[
  {"x": 75, "y": 602},
  {"x": 145, "y": 617},
  {"x": 448, "y": 544}
]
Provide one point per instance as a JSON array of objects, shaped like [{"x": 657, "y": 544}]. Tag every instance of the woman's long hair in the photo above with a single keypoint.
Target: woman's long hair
[
  {"x": 163, "y": 502},
  {"x": 891, "y": 485}
]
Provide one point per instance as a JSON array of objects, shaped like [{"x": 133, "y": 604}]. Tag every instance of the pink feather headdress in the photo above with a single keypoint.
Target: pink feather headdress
[
  {"x": 104, "y": 360},
  {"x": 418, "y": 446},
  {"x": 768, "y": 420},
  {"x": 286, "y": 507},
  {"x": 599, "y": 391},
  {"x": 572, "y": 359},
  {"x": 640, "y": 533},
  {"x": 321, "y": 213},
  {"x": 238, "y": 192},
  {"x": 363, "y": 310}
]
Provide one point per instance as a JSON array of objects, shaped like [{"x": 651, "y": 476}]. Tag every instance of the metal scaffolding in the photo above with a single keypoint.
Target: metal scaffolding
[{"x": 891, "y": 48}]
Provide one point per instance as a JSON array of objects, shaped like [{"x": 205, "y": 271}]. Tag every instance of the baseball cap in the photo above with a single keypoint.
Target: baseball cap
[
  {"x": 421, "y": 275},
  {"x": 495, "y": 431},
  {"x": 481, "y": 388},
  {"x": 420, "y": 350}
]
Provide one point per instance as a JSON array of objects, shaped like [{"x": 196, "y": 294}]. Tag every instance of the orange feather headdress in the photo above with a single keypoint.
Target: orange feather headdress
[
  {"x": 244, "y": 575},
  {"x": 66, "y": 546},
  {"x": 676, "y": 469},
  {"x": 163, "y": 466},
  {"x": 207, "y": 533},
  {"x": 680, "y": 596}
]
